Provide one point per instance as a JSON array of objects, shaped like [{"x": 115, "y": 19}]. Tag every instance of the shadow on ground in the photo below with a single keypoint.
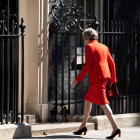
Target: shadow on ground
[{"x": 64, "y": 137}]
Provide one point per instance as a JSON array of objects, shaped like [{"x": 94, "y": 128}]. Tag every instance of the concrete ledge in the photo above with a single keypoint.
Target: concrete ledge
[
  {"x": 102, "y": 122},
  {"x": 12, "y": 131},
  {"x": 51, "y": 128},
  {"x": 123, "y": 120}
]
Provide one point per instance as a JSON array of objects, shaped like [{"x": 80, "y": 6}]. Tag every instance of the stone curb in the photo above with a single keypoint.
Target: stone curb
[
  {"x": 12, "y": 131},
  {"x": 123, "y": 120},
  {"x": 59, "y": 129},
  {"x": 102, "y": 122}
]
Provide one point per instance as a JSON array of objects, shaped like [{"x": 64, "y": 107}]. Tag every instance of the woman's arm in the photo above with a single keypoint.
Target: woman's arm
[
  {"x": 87, "y": 65},
  {"x": 112, "y": 68}
]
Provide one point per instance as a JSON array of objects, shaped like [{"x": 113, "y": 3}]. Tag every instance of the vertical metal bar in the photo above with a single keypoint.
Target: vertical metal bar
[
  {"x": 69, "y": 56},
  {"x": 82, "y": 96},
  {"x": 130, "y": 68},
  {"x": 16, "y": 64},
  {"x": 108, "y": 15},
  {"x": 17, "y": 13},
  {"x": 115, "y": 105},
  {"x": 7, "y": 78},
  {"x": 7, "y": 66},
  {"x": 123, "y": 72},
  {"x": 13, "y": 80},
  {"x": 134, "y": 62},
  {"x": 75, "y": 72},
  {"x": 2, "y": 76},
  {"x": 62, "y": 70},
  {"x": 101, "y": 21},
  {"x": 22, "y": 87},
  {"x": 126, "y": 51},
  {"x": 119, "y": 73},
  {"x": 8, "y": 17},
  {"x": 56, "y": 70},
  {"x": 104, "y": 34},
  {"x": 108, "y": 25},
  {"x": 138, "y": 70},
  {"x": 95, "y": 110},
  {"x": 112, "y": 44},
  {"x": 16, "y": 77}
]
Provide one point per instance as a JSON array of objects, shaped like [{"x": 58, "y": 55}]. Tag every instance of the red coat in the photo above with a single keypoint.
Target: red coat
[{"x": 100, "y": 63}]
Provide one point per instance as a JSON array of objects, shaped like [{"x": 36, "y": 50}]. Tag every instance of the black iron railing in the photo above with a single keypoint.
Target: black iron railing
[
  {"x": 123, "y": 40},
  {"x": 9, "y": 65}
]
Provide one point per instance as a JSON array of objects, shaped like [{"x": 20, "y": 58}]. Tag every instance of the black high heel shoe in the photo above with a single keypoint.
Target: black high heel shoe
[
  {"x": 81, "y": 131},
  {"x": 117, "y": 132}
]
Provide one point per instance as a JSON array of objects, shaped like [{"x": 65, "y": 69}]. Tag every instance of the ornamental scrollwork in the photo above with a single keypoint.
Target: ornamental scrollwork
[
  {"x": 68, "y": 18},
  {"x": 3, "y": 22}
]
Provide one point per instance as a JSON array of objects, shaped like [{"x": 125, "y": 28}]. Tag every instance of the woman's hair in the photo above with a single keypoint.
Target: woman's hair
[{"x": 90, "y": 33}]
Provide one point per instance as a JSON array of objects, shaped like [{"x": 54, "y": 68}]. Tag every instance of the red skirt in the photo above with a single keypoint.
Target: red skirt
[{"x": 96, "y": 92}]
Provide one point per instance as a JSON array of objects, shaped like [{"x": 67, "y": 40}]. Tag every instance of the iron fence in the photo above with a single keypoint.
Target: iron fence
[
  {"x": 9, "y": 65},
  {"x": 122, "y": 38}
]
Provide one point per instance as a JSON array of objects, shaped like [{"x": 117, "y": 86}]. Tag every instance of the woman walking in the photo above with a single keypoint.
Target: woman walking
[{"x": 102, "y": 68}]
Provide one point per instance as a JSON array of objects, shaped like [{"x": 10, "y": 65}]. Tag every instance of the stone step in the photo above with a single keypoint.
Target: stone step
[
  {"x": 29, "y": 118},
  {"x": 51, "y": 128}
]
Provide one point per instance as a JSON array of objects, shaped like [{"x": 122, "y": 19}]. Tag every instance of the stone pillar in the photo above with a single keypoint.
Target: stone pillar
[
  {"x": 36, "y": 60},
  {"x": 37, "y": 100}
]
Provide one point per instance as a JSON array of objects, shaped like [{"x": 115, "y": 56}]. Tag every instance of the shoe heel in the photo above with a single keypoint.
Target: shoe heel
[
  {"x": 85, "y": 132},
  {"x": 119, "y": 135}
]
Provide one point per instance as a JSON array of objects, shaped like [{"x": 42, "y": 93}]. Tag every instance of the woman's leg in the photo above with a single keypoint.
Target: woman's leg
[
  {"x": 107, "y": 110},
  {"x": 87, "y": 110}
]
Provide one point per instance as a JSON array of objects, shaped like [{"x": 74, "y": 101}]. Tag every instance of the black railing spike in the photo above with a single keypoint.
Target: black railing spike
[{"x": 22, "y": 26}]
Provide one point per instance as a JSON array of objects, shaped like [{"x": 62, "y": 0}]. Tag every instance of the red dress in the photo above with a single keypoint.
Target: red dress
[{"x": 102, "y": 67}]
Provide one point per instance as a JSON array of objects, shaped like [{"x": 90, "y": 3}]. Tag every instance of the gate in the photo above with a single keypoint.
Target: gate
[
  {"x": 9, "y": 62},
  {"x": 66, "y": 58},
  {"x": 122, "y": 38}
]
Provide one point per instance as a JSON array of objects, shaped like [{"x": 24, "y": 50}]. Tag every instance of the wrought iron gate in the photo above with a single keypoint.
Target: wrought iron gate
[
  {"x": 65, "y": 60},
  {"x": 9, "y": 62}
]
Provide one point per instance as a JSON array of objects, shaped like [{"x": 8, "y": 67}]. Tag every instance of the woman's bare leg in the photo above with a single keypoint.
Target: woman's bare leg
[
  {"x": 87, "y": 110},
  {"x": 107, "y": 110}
]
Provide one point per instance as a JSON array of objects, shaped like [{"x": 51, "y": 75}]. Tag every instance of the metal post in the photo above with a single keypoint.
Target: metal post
[
  {"x": 69, "y": 71},
  {"x": 56, "y": 71},
  {"x": 22, "y": 26},
  {"x": 16, "y": 77},
  {"x": 2, "y": 77},
  {"x": 62, "y": 70},
  {"x": 22, "y": 88},
  {"x": 126, "y": 73},
  {"x": 13, "y": 79},
  {"x": 7, "y": 66},
  {"x": 82, "y": 96},
  {"x": 123, "y": 72},
  {"x": 75, "y": 72}
]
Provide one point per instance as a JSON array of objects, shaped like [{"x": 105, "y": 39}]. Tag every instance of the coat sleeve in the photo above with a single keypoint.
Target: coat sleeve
[
  {"x": 87, "y": 65},
  {"x": 112, "y": 68}
]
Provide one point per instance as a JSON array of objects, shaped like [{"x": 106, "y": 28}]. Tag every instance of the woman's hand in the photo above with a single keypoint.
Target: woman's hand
[{"x": 74, "y": 83}]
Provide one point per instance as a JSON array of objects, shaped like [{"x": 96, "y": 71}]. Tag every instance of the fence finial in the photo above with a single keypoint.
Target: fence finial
[{"x": 22, "y": 26}]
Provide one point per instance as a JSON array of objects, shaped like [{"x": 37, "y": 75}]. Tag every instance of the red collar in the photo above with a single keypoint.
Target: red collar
[{"x": 93, "y": 41}]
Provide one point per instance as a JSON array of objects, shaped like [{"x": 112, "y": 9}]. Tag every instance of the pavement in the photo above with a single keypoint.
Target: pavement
[{"x": 128, "y": 133}]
